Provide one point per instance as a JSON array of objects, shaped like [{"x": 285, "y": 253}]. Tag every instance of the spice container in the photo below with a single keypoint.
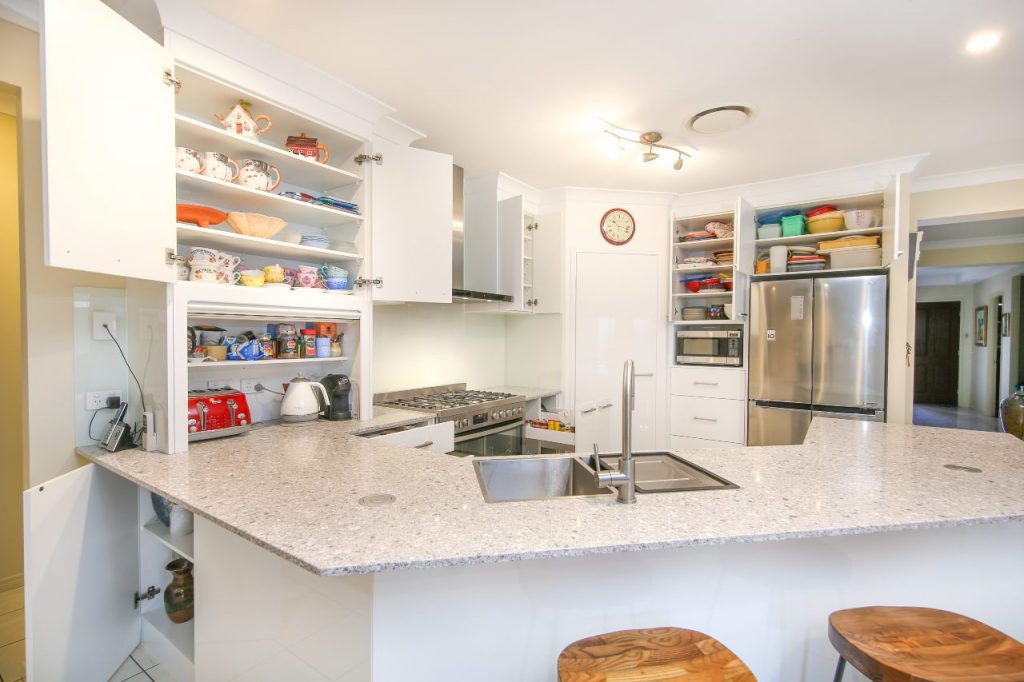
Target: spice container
[
  {"x": 287, "y": 342},
  {"x": 269, "y": 346},
  {"x": 308, "y": 343},
  {"x": 323, "y": 347}
]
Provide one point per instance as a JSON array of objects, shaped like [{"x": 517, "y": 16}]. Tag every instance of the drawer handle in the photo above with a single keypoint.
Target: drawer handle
[
  {"x": 423, "y": 445},
  {"x": 705, "y": 383},
  {"x": 588, "y": 410},
  {"x": 605, "y": 406},
  {"x": 707, "y": 419}
]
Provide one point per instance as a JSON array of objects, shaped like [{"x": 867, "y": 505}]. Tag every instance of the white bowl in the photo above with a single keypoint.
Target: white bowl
[{"x": 859, "y": 219}]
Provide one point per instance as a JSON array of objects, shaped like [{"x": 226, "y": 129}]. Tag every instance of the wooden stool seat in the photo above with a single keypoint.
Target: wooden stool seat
[
  {"x": 907, "y": 644},
  {"x": 661, "y": 654}
]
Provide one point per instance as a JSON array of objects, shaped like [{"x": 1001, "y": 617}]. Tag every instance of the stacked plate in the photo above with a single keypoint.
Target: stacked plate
[
  {"x": 695, "y": 313},
  {"x": 723, "y": 257},
  {"x": 317, "y": 240}
]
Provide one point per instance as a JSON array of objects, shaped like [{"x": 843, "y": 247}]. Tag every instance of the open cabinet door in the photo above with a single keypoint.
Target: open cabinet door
[
  {"x": 411, "y": 224},
  {"x": 108, "y": 139},
  {"x": 510, "y": 241},
  {"x": 81, "y": 574},
  {"x": 746, "y": 233}
]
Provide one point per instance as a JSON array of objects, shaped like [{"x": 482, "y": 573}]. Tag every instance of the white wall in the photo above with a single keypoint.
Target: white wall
[
  {"x": 983, "y": 386},
  {"x": 98, "y": 364},
  {"x": 965, "y": 296},
  {"x": 417, "y": 345},
  {"x": 533, "y": 350}
]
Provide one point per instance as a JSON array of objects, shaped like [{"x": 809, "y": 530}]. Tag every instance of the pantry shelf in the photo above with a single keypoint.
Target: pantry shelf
[
  {"x": 818, "y": 273},
  {"x": 183, "y": 545},
  {"x": 704, "y": 268},
  {"x": 227, "y": 196},
  {"x": 705, "y": 323},
  {"x": 704, "y": 294},
  {"x": 704, "y": 243},
  {"x": 217, "y": 238},
  {"x": 815, "y": 238},
  {"x": 249, "y": 364}
]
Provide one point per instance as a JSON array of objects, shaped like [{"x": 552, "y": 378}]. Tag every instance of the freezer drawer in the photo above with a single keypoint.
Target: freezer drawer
[
  {"x": 849, "y": 342},
  {"x": 776, "y": 425},
  {"x": 707, "y": 418},
  {"x": 709, "y": 382},
  {"x": 781, "y": 335}
]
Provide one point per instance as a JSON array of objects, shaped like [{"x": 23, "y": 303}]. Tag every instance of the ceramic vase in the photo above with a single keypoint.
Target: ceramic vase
[
  {"x": 1011, "y": 413},
  {"x": 178, "y": 595}
]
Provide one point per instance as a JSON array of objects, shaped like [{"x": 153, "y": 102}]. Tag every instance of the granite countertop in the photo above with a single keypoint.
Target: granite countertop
[
  {"x": 529, "y": 392},
  {"x": 295, "y": 491}
]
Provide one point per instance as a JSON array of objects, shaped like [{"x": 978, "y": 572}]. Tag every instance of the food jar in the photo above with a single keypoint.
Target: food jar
[
  {"x": 269, "y": 347},
  {"x": 308, "y": 343},
  {"x": 323, "y": 347},
  {"x": 287, "y": 342}
]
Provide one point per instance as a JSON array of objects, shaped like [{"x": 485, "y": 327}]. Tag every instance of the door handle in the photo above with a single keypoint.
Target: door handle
[
  {"x": 605, "y": 406},
  {"x": 423, "y": 445},
  {"x": 706, "y": 419},
  {"x": 705, "y": 383},
  {"x": 588, "y": 410}
]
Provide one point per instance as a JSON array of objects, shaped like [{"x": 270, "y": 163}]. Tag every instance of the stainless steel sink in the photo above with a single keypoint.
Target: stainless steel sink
[
  {"x": 664, "y": 472},
  {"x": 505, "y": 479}
]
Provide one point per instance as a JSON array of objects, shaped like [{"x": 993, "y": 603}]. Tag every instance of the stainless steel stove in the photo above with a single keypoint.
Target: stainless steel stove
[{"x": 487, "y": 423}]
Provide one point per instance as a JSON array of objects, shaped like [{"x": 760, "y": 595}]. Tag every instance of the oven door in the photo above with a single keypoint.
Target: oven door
[{"x": 492, "y": 441}]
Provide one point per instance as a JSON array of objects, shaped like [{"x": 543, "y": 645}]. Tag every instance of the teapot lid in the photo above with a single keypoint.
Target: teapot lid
[{"x": 300, "y": 379}]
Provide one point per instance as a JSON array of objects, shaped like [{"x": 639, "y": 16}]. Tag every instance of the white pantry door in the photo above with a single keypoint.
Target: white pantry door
[
  {"x": 510, "y": 239},
  {"x": 108, "y": 138},
  {"x": 411, "y": 214},
  {"x": 617, "y": 319},
  {"x": 81, "y": 575}
]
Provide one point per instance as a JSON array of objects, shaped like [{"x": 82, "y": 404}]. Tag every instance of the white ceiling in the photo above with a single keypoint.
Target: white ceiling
[
  {"x": 517, "y": 86},
  {"x": 961, "y": 275}
]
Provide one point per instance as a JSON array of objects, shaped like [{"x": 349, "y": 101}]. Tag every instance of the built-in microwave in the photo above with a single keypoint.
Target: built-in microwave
[{"x": 709, "y": 347}]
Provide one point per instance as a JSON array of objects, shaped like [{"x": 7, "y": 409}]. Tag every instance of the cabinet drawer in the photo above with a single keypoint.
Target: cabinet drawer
[
  {"x": 686, "y": 443},
  {"x": 708, "y": 418},
  {"x": 709, "y": 382},
  {"x": 432, "y": 438}
]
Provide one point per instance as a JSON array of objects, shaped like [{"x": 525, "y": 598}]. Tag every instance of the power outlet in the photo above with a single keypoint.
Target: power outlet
[
  {"x": 249, "y": 385},
  {"x": 223, "y": 383},
  {"x": 94, "y": 400},
  {"x": 98, "y": 320}
]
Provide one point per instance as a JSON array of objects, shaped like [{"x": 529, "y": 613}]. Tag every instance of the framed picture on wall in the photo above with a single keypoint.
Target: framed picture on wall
[
  {"x": 981, "y": 326},
  {"x": 1004, "y": 325}
]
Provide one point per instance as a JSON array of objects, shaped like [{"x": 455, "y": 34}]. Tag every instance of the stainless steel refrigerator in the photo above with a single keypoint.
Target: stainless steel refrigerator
[{"x": 817, "y": 346}]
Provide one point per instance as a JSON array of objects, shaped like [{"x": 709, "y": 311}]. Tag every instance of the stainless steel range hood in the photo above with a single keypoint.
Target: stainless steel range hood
[{"x": 459, "y": 292}]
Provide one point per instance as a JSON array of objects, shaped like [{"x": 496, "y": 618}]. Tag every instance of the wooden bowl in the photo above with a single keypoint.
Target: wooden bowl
[
  {"x": 255, "y": 224},
  {"x": 203, "y": 216}
]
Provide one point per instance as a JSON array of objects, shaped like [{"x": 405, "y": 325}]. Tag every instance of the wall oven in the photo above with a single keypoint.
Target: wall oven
[
  {"x": 723, "y": 347},
  {"x": 491, "y": 440}
]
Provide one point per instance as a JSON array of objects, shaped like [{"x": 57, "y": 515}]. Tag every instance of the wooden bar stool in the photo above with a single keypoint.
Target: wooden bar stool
[
  {"x": 907, "y": 644},
  {"x": 662, "y": 654}
]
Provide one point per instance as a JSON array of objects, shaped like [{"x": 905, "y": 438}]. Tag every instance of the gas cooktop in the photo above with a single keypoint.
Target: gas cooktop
[{"x": 469, "y": 410}]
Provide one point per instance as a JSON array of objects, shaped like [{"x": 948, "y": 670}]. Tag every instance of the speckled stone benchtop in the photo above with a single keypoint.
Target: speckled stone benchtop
[{"x": 294, "y": 491}]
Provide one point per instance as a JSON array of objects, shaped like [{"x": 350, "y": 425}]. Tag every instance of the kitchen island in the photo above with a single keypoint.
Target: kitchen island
[{"x": 860, "y": 512}]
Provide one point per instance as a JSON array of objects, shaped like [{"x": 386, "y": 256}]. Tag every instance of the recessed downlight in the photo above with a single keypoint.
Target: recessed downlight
[
  {"x": 982, "y": 42},
  {"x": 720, "y": 119}
]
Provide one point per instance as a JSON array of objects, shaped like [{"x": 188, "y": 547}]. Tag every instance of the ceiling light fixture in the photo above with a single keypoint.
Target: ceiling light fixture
[
  {"x": 983, "y": 42},
  {"x": 720, "y": 119},
  {"x": 650, "y": 139}
]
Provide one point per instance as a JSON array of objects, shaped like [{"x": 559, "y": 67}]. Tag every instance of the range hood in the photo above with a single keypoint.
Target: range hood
[{"x": 459, "y": 292}]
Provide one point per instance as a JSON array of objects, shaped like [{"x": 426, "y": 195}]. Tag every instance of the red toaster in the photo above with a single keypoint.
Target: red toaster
[{"x": 217, "y": 412}]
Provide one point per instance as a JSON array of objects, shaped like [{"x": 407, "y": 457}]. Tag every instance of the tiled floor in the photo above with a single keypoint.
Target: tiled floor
[
  {"x": 12, "y": 635},
  {"x": 140, "y": 667},
  {"x": 953, "y": 418}
]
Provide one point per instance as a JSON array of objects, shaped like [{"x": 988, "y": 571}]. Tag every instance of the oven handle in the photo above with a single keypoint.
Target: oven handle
[{"x": 507, "y": 426}]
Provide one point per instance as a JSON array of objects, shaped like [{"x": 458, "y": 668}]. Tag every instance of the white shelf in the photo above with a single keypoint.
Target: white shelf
[
  {"x": 790, "y": 275},
  {"x": 181, "y": 636},
  {"x": 260, "y": 363},
  {"x": 227, "y": 196},
  {"x": 312, "y": 175},
  {"x": 704, "y": 323},
  {"x": 814, "y": 238},
  {"x": 704, "y": 294},
  {"x": 217, "y": 237},
  {"x": 704, "y": 243},
  {"x": 683, "y": 269},
  {"x": 183, "y": 545},
  {"x": 550, "y": 436}
]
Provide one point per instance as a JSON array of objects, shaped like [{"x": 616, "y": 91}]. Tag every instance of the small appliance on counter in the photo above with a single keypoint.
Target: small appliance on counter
[
  {"x": 301, "y": 402},
  {"x": 339, "y": 392},
  {"x": 216, "y": 413}
]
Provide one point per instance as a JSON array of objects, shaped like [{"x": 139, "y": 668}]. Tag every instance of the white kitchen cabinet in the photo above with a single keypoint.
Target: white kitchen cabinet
[
  {"x": 530, "y": 252},
  {"x": 439, "y": 438},
  {"x": 709, "y": 382},
  {"x": 708, "y": 418},
  {"x": 412, "y": 224},
  {"x": 108, "y": 133}
]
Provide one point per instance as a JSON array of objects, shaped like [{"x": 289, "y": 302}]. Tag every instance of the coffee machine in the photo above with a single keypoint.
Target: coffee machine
[{"x": 339, "y": 389}]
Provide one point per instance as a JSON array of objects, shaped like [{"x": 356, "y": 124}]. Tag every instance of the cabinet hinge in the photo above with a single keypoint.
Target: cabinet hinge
[
  {"x": 530, "y": 227},
  {"x": 377, "y": 282},
  {"x": 150, "y": 592},
  {"x": 169, "y": 79},
  {"x": 531, "y": 302},
  {"x": 376, "y": 158},
  {"x": 171, "y": 257}
]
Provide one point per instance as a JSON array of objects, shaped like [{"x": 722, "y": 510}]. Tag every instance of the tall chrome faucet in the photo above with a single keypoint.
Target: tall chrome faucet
[{"x": 623, "y": 479}]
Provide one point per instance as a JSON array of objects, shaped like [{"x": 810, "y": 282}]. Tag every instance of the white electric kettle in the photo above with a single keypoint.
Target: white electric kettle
[{"x": 300, "y": 402}]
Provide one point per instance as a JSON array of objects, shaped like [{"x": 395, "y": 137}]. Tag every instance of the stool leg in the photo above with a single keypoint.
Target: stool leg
[{"x": 840, "y": 668}]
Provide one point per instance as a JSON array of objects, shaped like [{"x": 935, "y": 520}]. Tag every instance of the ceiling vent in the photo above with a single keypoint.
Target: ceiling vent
[{"x": 720, "y": 119}]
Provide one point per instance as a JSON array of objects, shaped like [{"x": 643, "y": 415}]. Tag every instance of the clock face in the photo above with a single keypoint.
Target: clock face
[{"x": 617, "y": 226}]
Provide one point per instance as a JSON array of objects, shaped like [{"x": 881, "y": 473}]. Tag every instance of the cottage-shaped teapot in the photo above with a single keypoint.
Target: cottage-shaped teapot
[{"x": 240, "y": 121}]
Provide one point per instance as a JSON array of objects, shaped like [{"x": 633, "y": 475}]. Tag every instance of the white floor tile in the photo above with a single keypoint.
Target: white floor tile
[
  {"x": 128, "y": 669},
  {"x": 12, "y": 627},
  {"x": 161, "y": 674},
  {"x": 12, "y": 662},
  {"x": 143, "y": 657},
  {"x": 12, "y": 600}
]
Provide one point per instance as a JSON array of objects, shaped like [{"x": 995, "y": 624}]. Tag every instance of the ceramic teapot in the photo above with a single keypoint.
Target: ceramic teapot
[
  {"x": 240, "y": 121},
  {"x": 308, "y": 148}
]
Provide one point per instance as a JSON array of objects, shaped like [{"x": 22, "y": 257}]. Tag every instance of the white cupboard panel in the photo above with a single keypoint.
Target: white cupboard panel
[
  {"x": 510, "y": 241},
  {"x": 432, "y": 438},
  {"x": 547, "y": 263},
  {"x": 709, "y": 382},
  {"x": 710, "y": 418},
  {"x": 687, "y": 443},
  {"x": 81, "y": 572},
  {"x": 108, "y": 135},
  {"x": 412, "y": 224}
]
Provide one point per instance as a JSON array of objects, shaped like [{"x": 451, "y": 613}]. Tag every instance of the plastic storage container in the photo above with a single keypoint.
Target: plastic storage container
[
  {"x": 856, "y": 257},
  {"x": 770, "y": 231},
  {"x": 793, "y": 226}
]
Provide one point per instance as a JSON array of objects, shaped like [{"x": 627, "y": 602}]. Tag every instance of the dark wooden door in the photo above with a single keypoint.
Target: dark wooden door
[{"x": 937, "y": 359}]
